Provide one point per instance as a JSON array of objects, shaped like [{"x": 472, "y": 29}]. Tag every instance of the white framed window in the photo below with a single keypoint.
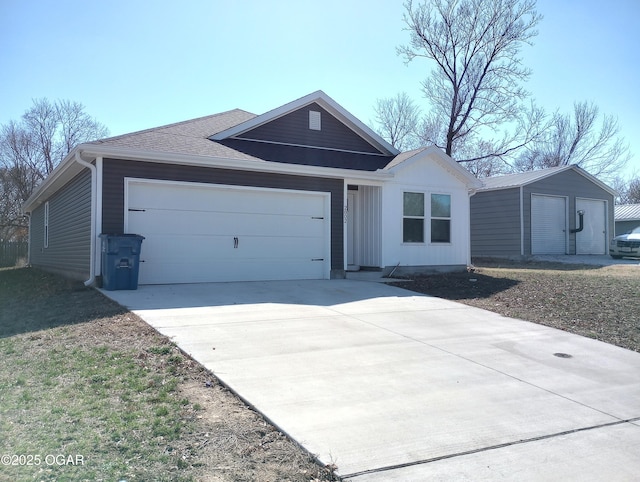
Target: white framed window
[
  {"x": 440, "y": 218},
  {"x": 46, "y": 224},
  {"x": 413, "y": 217}
]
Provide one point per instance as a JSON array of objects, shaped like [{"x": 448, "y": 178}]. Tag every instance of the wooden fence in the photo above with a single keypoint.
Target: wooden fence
[{"x": 13, "y": 253}]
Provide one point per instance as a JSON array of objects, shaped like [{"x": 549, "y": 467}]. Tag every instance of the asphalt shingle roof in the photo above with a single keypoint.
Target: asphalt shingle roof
[{"x": 188, "y": 137}]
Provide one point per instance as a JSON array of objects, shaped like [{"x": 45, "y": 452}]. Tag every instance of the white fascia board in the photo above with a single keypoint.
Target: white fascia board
[
  {"x": 92, "y": 151},
  {"x": 446, "y": 162},
  {"x": 328, "y": 104},
  {"x": 59, "y": 176},
  {"x": 545, "y": 173},
  {"x": 65, "y": 171},
  {"x": 595, "y": 180},
  {"x": 355, "y": 124}
]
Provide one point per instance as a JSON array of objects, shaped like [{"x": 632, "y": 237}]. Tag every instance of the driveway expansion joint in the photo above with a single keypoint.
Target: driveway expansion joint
[{"x": 486, "y": 449}]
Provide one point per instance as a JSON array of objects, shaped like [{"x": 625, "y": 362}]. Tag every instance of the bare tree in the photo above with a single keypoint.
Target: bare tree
[
  {"x": 633, "y": 192},
  {"x": 474, "y": 88},
  {"x": 31, "y": 148},
  {"x": 396, "y": 120},
  {"x": 584, "y": 138},
  {"x": 628, "y": 191}
]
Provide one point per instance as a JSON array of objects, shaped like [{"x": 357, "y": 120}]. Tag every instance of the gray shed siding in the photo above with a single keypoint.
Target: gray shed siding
[
  {"x": 495, "y": 215},
  {"x": 293, "y": 128},
  {"x": 495, "y": 223},
  {"x": 115, "y": 170},
  {"x": 572, "y": 185},
  {"x": 69, "y": 249}
]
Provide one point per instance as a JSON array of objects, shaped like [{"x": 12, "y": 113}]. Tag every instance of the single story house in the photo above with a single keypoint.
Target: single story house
[
  {"x": 304, "y": 191},
  {"x": 627, "y": 217},
  {"x": 560, "y": 210}
]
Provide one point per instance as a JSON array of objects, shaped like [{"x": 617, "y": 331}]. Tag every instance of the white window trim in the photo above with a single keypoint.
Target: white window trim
[
  {"x": 423, "y": 217},
  {"x": 431, "y": 217}
]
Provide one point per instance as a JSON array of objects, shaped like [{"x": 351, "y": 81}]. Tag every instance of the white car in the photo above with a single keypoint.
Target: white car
[{"x": 627, "y": 244}]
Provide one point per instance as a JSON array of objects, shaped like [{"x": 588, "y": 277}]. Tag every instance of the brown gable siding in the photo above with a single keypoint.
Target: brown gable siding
[
  {"x": 115, "y": 170},
  {"x": 308, "y": 156},
  {"x": 293, "y": 128}
]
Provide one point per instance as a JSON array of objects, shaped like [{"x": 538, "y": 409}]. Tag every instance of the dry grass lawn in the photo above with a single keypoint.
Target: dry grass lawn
[{"x": 81, "y": 376}]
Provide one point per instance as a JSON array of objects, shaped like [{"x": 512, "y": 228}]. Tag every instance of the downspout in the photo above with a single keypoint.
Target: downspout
[
  {"x": 522, "y": 222},
  {"x": 92, "y": 273},
  {"x": 471, "y": 193},
  {"x": 28, "y": 215}
]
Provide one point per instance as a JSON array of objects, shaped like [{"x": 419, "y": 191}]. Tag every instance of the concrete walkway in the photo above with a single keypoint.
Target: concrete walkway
[
  {"x": 390, "y": 385},
  {"x": 593, "y": 259}
]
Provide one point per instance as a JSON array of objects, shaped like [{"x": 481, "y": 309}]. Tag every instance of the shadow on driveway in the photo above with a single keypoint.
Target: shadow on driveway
[{"x": 303, "y": 292}]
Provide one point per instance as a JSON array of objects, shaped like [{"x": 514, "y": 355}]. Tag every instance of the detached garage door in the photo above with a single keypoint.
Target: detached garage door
[
  {"x": 593, "y": 237},
  {"x": 548, "y": 224},
  {"x": 202, "y": 233}
]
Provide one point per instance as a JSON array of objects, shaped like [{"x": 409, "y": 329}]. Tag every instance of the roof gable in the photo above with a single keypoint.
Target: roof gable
[
  {"x": 290, "y": 125},
  {"x": 433, "y": 153},
  {"x": 520, "y": 179}
]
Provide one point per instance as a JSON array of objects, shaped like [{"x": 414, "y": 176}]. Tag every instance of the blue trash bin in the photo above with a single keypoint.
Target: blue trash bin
[{"x": 120, "y": 261}]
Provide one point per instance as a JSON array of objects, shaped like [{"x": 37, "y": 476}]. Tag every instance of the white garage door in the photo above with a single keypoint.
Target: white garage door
[
  {"x": 203, "y": 233},
  {"x": 593, "y": 237},
  {"x": 548, "y": 224}
]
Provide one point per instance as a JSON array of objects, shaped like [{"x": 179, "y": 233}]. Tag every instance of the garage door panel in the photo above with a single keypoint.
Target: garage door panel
[
  {"x": 213, "y": 248},
  {"x": 548, "y": 224},
  {"x": 222, "y": 199},
  {"x": 592, "y": 239},
  {"x": 209, "y": 233},
  {"x": 203, "y": 224},
  {"x": 229, "y": 271}
]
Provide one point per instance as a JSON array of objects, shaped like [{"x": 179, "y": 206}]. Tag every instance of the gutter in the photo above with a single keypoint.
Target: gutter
[
  {"x": 92, "y": 274},
  {"x": 94, "y": 150}
]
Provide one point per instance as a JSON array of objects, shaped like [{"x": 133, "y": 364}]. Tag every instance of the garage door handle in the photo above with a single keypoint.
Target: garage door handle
[{"x": 235, "y": 242}]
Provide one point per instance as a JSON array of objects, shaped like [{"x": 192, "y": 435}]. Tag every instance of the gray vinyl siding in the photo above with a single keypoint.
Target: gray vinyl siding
[
  {"x": 495, "y": 223},
  {"x": 293, "y": 128},
  {"x": 571, "y": 185},
  {"x": 115, "y": 170},
  {"x": 69, "y": 248}
]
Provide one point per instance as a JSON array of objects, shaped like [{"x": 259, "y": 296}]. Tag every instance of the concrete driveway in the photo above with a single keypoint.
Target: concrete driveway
[{"x": 391, "y": 385}]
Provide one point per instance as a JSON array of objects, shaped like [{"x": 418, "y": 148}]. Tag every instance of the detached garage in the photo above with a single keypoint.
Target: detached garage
[{"x": 561, "y": 210}]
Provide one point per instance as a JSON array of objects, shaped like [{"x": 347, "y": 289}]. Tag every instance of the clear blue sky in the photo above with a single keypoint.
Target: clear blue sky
[{"x": 137, "y": 64}]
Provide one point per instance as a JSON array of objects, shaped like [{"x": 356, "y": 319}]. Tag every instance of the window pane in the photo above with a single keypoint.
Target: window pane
[
  {"x": 413, "y": 230},
  {"x": 413, "y": 204},
  {"x": 440, "y": 205},
  {"x": 440, "y": 231}
]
